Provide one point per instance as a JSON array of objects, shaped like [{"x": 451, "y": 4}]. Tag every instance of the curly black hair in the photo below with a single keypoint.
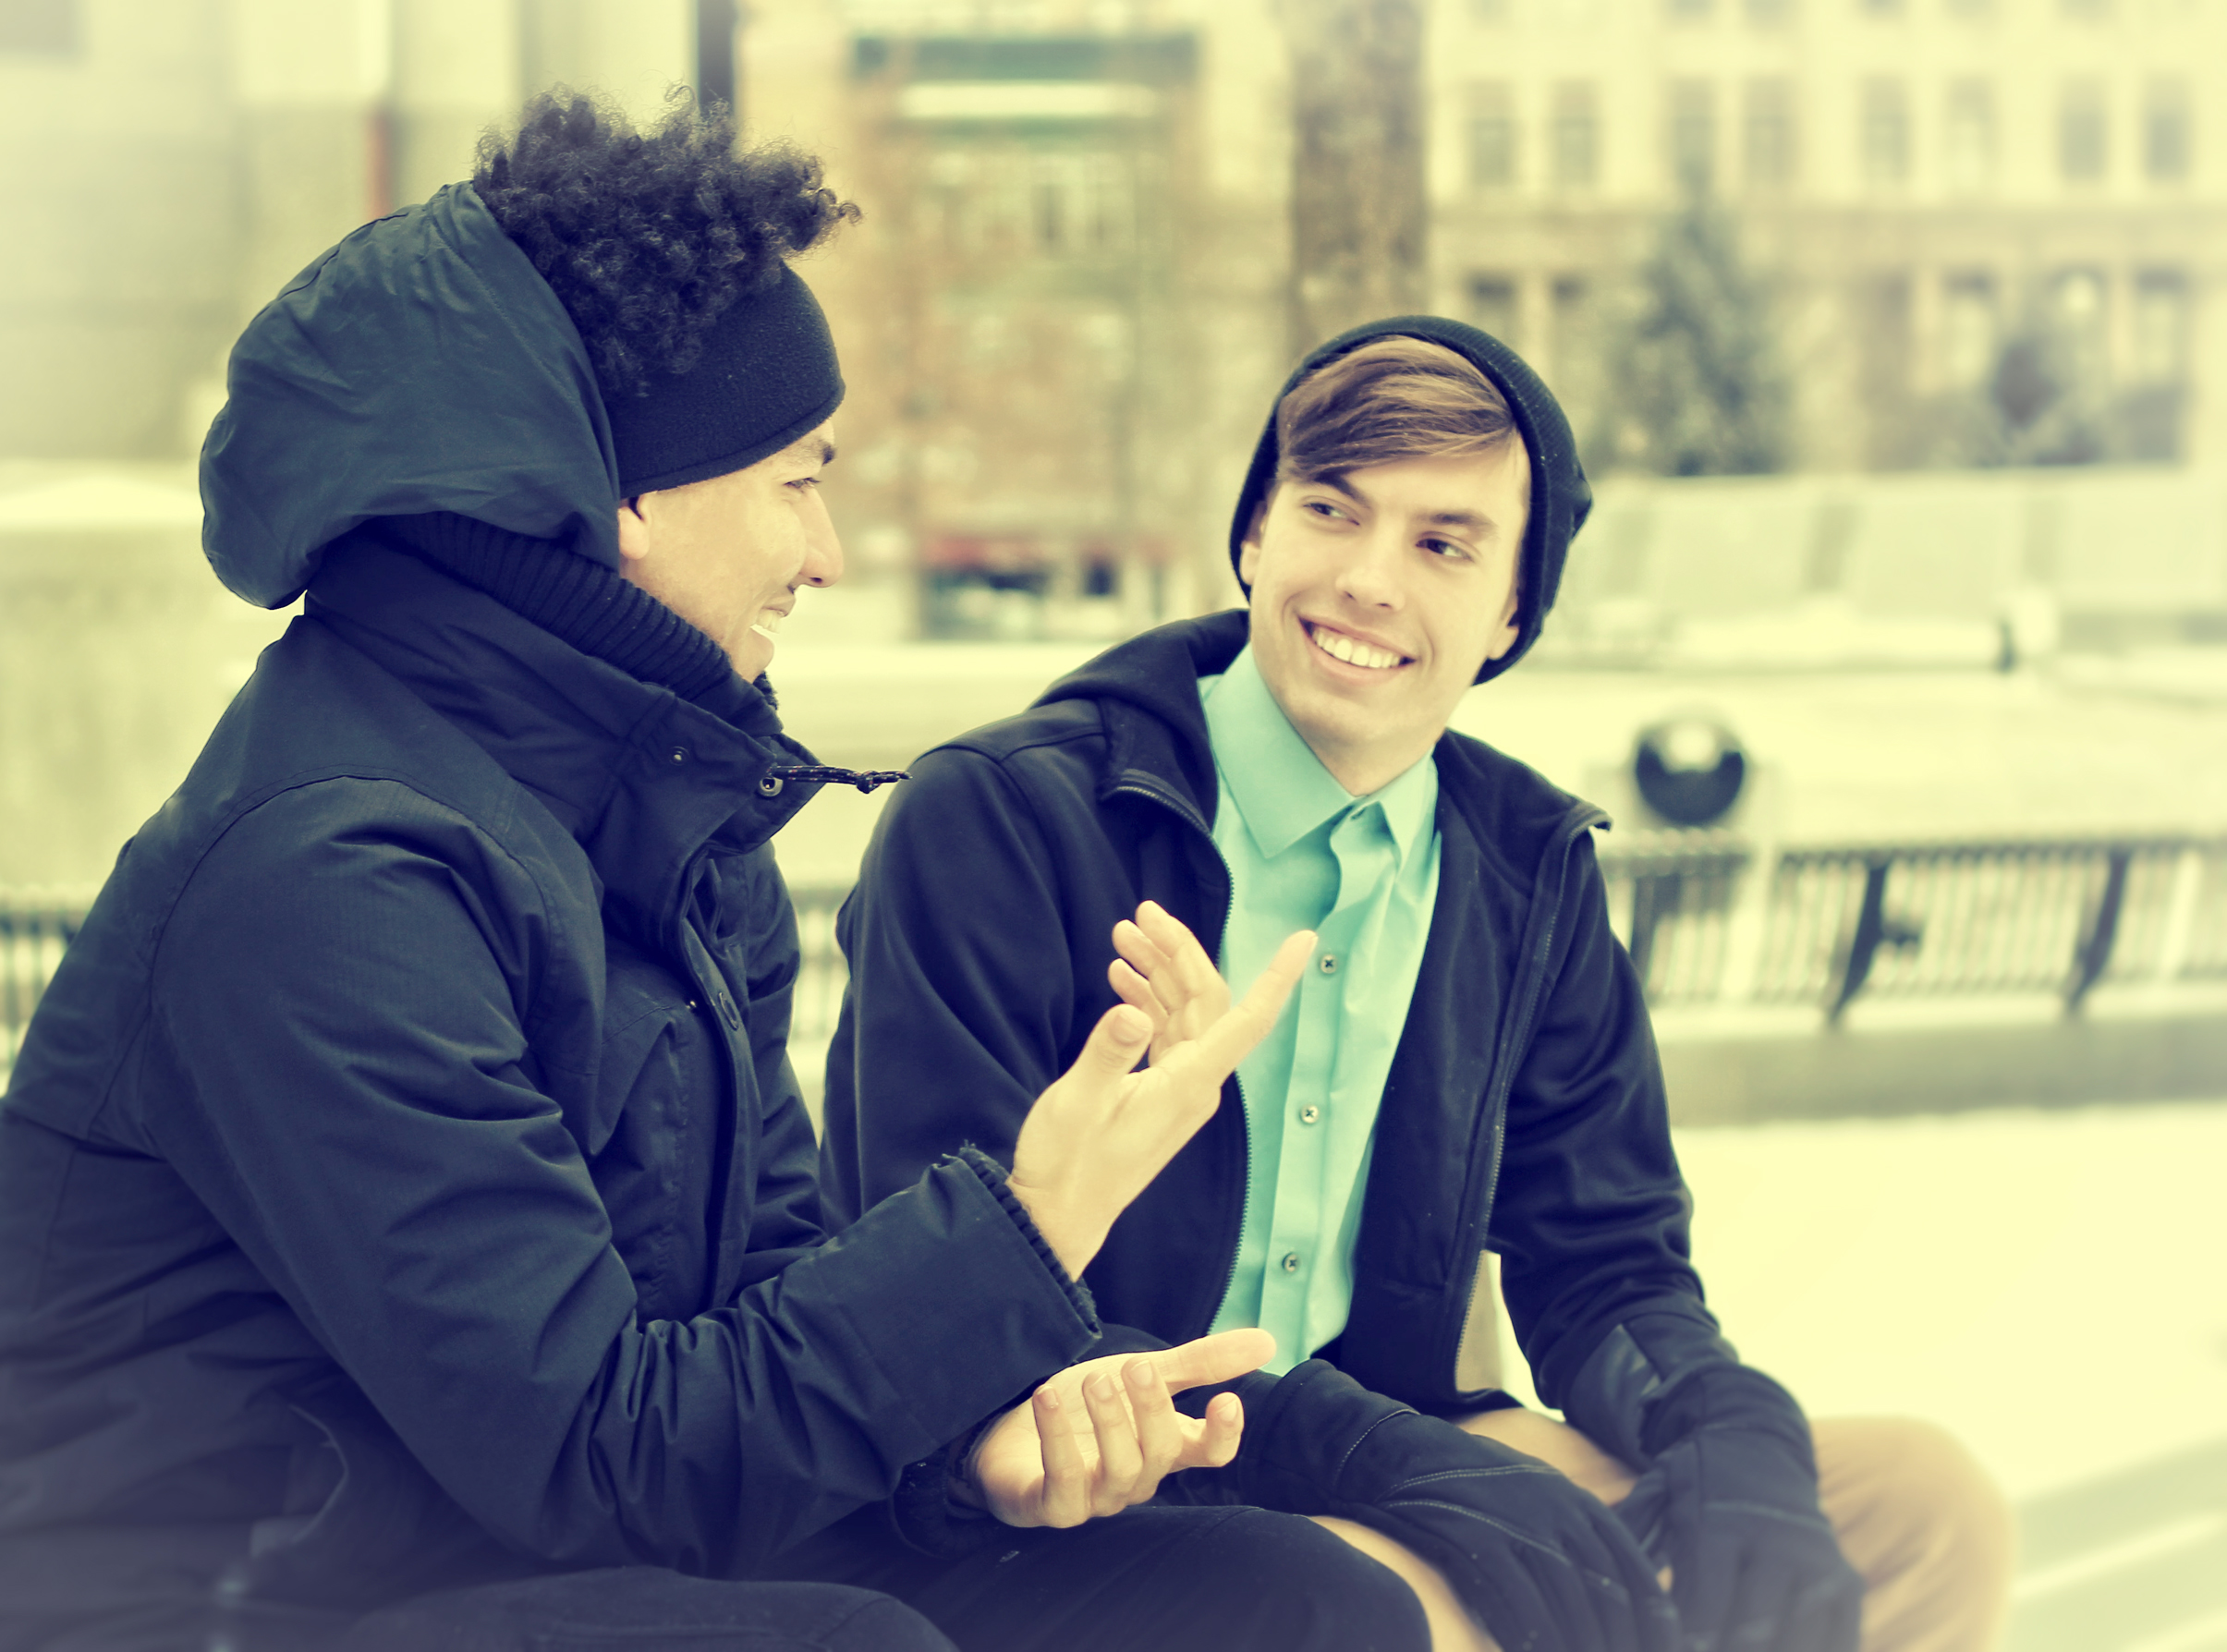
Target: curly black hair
[{"x": 647, "y": 237}]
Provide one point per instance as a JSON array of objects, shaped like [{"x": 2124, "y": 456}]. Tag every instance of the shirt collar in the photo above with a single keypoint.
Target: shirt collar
[{"x": 1280, "y": 786}]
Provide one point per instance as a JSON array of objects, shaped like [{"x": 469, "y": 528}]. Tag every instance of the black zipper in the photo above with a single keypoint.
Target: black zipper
[
  {"x": 1583, "y": 819},
  {"x": 1182, "y": 810}
]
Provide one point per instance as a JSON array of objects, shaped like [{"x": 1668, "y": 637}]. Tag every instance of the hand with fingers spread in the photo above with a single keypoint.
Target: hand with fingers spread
[
  {"x": 1101, "y": 1436},
  {"x": 1102, "y": 1131},
  {"x": 1165, "y": 973}
]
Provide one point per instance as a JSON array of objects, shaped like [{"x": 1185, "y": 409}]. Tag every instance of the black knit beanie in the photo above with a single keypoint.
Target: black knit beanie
[
  {"x": 1561, "y": 496},
  {"x": 767, "y": 376}
]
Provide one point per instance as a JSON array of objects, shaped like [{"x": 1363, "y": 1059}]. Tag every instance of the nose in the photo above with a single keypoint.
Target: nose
[
  {"x": 824, "y": 548},
  {"x": 1370, "y": 576}
]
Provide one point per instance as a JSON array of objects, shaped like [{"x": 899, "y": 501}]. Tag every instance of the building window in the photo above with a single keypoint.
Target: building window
[
  {"x": 1880, "y": 9},
  {"x": 46, "y": 27},
  {"x": 2077, "y": 318},
  {"x": 1491, "y": 136},
  {"x": 1886, "y": 132},
  {"x": 1968, "y": 147},
  {"x": 2161, "y": 327},
  {"x": 1494, "y": 12},
  {"x": 1767, "y": 136},
  {"x": 2085, "y": 11},
  {"x": 1769, "y": 14},
  {"x": 1577, "y": 136},
  {"x": 1693, "y": 134},
  {"x": 2081, "y": 153},
  {"x": 1688, "y": 10},
  {"x": 1969, "y": 327},
  {"x": 1492, "y": 305},
  {"x": 2165, "y": 131},
  {"x": 1573, "y": 351},
  {"x": 1970, "y": 8}
]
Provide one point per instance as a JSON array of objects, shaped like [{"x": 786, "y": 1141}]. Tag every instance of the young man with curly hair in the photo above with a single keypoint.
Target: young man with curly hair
[
  {"x": 408, "y": 1231},
  {"x": 1466, "y": 1070}
]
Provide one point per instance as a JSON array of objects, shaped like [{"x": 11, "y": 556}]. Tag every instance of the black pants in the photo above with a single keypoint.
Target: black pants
[
  {"x": 638, "y": 1609},
  {"x": 1153, "y": 1579}
]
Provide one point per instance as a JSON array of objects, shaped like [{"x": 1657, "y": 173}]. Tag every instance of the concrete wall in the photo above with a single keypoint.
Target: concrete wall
[{"x": 1916, "y": 568}]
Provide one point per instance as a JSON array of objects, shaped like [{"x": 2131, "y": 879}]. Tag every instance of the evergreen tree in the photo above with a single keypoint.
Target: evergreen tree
[{"x": 1695, "y": 382}]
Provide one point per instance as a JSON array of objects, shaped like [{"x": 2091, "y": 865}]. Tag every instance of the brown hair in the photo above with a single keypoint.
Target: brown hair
[{"x": 1392, "y": 398}]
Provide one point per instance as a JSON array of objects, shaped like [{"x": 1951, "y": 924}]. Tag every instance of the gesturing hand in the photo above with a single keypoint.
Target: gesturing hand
[
  {"x": 1100, "y": 1436},
  {"x": 1164, "y": 971},
  {"x": 1102, "y": 1132}
]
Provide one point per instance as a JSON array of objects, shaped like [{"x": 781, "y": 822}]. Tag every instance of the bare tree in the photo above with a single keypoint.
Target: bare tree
[{"x": 1358, "y": 209}]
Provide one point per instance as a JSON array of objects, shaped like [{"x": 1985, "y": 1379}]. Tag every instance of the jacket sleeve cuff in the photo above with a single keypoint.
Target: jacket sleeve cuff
[
  {"x": 993, "y": 1177},
  {"x": 1657, "y": 1377},
  {"x": 924, "y": 1511},
  {"x": 928, "y": 1518}
]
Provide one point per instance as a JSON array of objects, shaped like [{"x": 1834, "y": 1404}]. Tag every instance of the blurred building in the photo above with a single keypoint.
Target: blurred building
[
  {"x": 1989, "y": 231},
  {"x": 1998, "y": 228},
  {"x": 168, "y": 165}
]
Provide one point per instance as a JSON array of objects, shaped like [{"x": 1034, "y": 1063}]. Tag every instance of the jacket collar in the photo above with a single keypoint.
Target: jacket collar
[
  {"x": 643, "y": 778},
  {"x": 1147, "y": 689},
  {"x": 1147, "y": 693}
]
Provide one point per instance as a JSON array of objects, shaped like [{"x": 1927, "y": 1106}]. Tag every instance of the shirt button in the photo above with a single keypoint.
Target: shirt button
[
  {"x": 1329, "y": 963},
  {"x": 1291, "y": 1261},
  {"x": 1310, "y": 1115}
]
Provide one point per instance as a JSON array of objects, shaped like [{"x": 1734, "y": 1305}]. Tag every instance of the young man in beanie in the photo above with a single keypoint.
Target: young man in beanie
[
  {"x": 408, "y": 1233},
  {"x": 1466, "y": 1069}
]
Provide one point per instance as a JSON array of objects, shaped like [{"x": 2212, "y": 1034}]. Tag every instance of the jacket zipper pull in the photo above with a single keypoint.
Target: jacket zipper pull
[{"x": 865, "y": 779}]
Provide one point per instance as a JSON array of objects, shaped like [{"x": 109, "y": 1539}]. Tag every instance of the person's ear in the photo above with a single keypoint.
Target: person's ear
[
  {"x": 1510, "y": 628},
  {"x": 633, "y": 530},
  {"x": 1249, "y": 549}
]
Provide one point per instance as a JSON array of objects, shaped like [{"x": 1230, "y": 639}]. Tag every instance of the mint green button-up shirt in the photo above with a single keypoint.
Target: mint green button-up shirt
[{"x": 1304, "y": 853}]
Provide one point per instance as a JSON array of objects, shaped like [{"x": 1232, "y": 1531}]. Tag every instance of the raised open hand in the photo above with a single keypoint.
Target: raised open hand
[
  {"x": 1100, "y": 1436},
  {"x": 1164, "y": 971},
  {"x": 1102, "y": 1132}
]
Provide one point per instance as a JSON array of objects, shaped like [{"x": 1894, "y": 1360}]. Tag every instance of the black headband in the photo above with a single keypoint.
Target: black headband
[{"x": 767, "y": 375}]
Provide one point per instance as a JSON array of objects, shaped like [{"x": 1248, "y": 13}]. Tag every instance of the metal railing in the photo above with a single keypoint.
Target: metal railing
[
  {"x": 1912, "y": 920},
  {"x": 1826, "y": 925}
]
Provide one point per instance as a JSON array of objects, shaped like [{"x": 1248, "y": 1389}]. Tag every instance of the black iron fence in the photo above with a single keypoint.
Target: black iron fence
[
  {"x": 1909, "y": 921},
  {"x": 1826, "y": 926}
]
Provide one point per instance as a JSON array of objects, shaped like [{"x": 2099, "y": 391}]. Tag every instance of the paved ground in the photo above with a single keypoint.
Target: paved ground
[{"x": 2049, "y": 1285}]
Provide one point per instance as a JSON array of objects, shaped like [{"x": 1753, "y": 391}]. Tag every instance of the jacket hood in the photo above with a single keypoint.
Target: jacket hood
[
  {"x": 1561, "y": 496},
  {"x": 421, "y": 365}
]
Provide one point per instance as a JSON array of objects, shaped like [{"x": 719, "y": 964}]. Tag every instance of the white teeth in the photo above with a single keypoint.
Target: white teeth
[
  {"x": 769, "y": 621},
  {"x": 1352, "y": 650}
]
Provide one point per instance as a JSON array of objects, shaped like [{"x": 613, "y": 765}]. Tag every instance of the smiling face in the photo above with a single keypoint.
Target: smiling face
[
  {"x": 727, "y": 554},
  {"x": 1379, "y": 595}
]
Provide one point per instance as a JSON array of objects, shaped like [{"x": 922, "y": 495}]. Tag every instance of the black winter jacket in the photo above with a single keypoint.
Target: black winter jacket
[
  {"x": 1523, "y": 1113},
  {"x": 404, "y": 1178}
]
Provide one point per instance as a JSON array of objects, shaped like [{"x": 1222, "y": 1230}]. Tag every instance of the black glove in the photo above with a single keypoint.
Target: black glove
[
  {"x": 1730, "y": 1507},
  {"x": 1540, "y": 1564}
]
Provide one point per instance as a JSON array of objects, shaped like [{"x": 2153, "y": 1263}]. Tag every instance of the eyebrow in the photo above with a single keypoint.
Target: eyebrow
[
  {"x": 802, "y": 448},
  {"x": 1474, "y": 521}
]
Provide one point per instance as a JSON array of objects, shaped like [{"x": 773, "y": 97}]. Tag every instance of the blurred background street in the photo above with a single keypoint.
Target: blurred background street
[{"x": 1894, "y": 334}]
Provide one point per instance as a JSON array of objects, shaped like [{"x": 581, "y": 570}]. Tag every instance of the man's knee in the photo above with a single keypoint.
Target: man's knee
[
  {"x": 879, "y": 1624},
  {"x": 1302, "y": 1586},
  {"x": 1915, "y": 1478},
  {"x": 1924, "y": 1523}
]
